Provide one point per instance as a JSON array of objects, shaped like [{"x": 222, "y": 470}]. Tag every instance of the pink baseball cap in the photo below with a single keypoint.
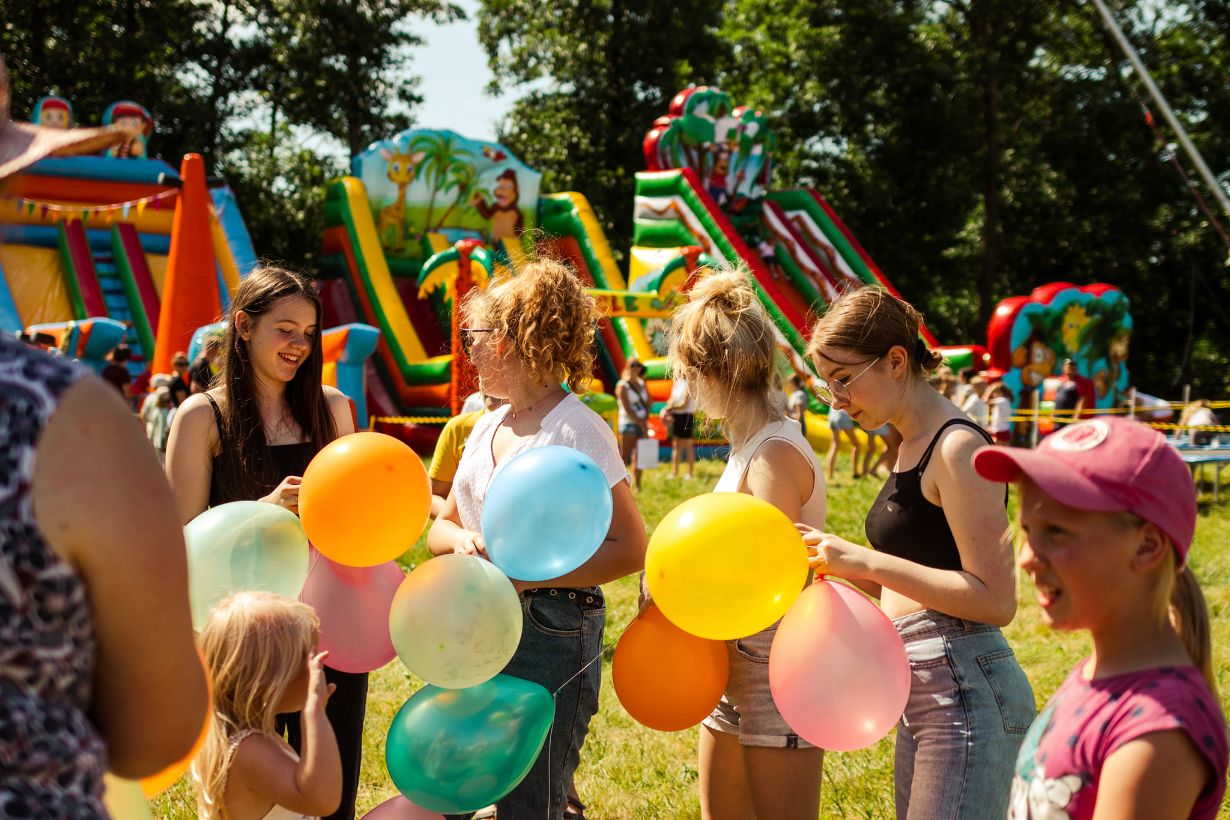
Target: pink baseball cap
[{"x": 1106, "y": 465}]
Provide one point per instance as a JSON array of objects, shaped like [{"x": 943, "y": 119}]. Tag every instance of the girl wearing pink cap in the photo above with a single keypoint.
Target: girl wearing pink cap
[{"x": 1136, "y": 730}]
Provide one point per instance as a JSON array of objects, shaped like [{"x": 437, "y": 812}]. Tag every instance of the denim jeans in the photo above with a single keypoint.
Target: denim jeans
[
  {"x": 969, "y": 708},
  {"x": 562, "y": 632}
]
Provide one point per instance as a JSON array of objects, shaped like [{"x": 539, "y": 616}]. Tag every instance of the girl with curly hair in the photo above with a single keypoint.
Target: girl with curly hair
[{"x": 530, "y": 336}]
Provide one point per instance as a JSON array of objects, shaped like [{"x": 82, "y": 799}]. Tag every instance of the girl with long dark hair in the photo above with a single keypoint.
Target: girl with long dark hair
[{"x": 251, "y": 436}]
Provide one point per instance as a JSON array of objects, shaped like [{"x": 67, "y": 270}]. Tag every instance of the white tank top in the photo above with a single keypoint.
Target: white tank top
[{"x": 787, "y": 430}]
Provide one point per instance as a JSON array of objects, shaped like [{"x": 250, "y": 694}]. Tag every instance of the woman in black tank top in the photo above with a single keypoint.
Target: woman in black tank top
[
  {"x": 251, "y": 436},
  {"x": 941, "y": 563}
]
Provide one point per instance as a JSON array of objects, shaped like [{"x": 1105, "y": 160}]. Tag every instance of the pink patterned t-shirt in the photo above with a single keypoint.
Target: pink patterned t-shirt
[{"x": 1060, "y": 763}]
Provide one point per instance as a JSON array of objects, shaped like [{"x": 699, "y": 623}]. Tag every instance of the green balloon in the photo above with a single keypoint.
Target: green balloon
[
  {"x": 457, "y": 750},
  {"x": 243, "y": 545}
]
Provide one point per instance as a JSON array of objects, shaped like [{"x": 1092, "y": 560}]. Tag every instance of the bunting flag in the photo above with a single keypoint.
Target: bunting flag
[{"x": 105, "y": 213}]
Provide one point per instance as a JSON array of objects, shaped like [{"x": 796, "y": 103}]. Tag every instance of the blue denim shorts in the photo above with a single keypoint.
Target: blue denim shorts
[
  {"x": 969, "y": 708},
  {"x": 561, "y": 633},
  {"x": 746, "y": 709},
  {"x": 631, "y": 430},
  {"x": 840, "y": 420}
]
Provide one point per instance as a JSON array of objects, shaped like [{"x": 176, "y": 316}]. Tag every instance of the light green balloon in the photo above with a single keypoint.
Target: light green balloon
[
  {"x": 124, "y": 799},
  {"x": 456, "y": 621},
  {"x": 243, "y": 545}
]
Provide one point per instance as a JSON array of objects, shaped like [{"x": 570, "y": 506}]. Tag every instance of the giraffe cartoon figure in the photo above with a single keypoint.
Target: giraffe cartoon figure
[{"x": 402, "y": 166}]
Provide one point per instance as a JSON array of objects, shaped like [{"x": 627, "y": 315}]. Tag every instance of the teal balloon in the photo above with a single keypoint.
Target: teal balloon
[
  {"x": 457, "y": 750},
  {"x": 243, "y": 545},
  {"x": 546, "y": 513}
]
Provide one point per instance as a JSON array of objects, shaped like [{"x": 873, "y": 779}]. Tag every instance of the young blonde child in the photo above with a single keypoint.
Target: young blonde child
[
  {"x": 261, "y": 652},
  {"x": 1108, "y": 512}
]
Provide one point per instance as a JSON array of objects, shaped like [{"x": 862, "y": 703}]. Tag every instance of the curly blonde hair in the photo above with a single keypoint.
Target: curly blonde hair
[
  {"x": 544, "y": 313},
  {"x": 256, "y": 644},
  {"x": 722, "y": 339}
]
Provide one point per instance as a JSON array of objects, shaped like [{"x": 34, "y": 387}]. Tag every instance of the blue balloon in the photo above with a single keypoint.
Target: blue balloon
[
  {"x": 457, "y": 750},
  {"x": 546, "y": 513}
]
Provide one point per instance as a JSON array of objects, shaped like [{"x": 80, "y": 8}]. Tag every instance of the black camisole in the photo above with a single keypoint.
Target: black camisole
[
  {"x": 904, "y": 523},
  {"x": 284, "y": 459}
]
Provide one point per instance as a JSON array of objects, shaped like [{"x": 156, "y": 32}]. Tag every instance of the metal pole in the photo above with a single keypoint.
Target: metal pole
[
  {"x": 1033, "y": 432},
  {"x": 1132, "y": 402},
  {"x": 1156, "y": 94}
]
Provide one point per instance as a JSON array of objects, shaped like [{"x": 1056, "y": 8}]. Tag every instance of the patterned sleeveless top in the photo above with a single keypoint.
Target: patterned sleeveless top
[{"x": 51, "y": 757}]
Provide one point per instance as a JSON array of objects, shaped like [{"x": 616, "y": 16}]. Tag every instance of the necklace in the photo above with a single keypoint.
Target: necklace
[{"x": 514, "y": 414}]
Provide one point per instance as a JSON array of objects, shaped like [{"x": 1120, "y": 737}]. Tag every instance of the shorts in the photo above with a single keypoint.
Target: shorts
[
  {"x": 747, "y": 709},
  {"x": 1002, "y": 436},
  {"x": 683, "y": 425},
  {"x": 632, "y": 429},
  {"x": 840, "y": 421},
  {"x": 881, "y": 431}
]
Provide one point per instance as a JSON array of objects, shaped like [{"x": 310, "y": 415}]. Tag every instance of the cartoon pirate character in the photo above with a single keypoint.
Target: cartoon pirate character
[
  {"x": 53, "y": 112},
  {"x": 507, "y": 222},
  {"x": 134, "y": 115}
]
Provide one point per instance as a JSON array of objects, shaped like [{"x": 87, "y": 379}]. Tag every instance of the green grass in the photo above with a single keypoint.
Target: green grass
[{"x": 628, "y": 771}]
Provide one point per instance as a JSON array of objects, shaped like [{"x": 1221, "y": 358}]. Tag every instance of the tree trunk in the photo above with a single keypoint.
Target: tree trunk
[{"x": 984, "y": 33}]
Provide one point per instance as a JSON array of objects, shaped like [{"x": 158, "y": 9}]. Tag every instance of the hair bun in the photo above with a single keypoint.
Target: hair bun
[{"x": 727, "y": 291}]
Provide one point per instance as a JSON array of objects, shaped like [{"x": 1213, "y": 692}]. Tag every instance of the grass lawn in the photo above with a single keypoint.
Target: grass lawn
[{"x": 628, "y": 771}]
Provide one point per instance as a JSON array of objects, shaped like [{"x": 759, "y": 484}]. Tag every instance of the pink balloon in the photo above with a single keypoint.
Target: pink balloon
[
  {"x": 399, "y": 808},
  {"x": 838, "y": 669},
  {"x": 353, "y": 606}
]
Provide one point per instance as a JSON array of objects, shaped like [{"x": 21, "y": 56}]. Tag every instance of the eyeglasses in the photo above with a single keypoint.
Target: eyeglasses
[
  {"x": 467, "y": 337},
  {"x": 831, "y": 392}
]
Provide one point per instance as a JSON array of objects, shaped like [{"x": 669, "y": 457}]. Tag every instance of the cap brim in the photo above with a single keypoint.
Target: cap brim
[
  {"x": 23, "y": 144},
  {"x": 1060, "y": 481}
]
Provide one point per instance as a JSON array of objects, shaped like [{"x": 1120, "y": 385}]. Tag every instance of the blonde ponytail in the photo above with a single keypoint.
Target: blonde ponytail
[{"x": 1190, "y": 617}]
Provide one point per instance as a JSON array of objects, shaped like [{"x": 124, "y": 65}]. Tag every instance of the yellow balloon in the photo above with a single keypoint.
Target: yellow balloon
[{"x": 725, "y": 565}]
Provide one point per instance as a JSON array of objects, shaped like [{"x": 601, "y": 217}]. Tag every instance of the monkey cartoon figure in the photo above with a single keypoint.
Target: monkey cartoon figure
[
  {"x": 134, "y": 115},
  {"x": 53, "y": 112},
  {"x": 1117, "y": 353},
  {"x": 507, "y": 222},
  {"x": 1034, "y": 359}
]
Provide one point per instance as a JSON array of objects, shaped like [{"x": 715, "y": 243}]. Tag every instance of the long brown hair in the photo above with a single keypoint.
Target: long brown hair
[
  {"x": 245, "y": 468},
  {"x": 870, "y": 321}
]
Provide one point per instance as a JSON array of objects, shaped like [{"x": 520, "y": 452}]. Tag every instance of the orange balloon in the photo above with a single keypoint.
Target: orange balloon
[
  {"x": 156, "y": 784},
  {"x": 666, "y": 678},
  {"x": 364, "y": 499}
]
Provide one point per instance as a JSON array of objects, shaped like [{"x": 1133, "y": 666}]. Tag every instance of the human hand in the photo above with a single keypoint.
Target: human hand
[
  {"x": 469, "y": 542},
  {"x": 318, "y": 689},
  {"x": 829, "y": 555},
  {"x": 643, "y": 599},
  {"x": 286, "y": 494}
]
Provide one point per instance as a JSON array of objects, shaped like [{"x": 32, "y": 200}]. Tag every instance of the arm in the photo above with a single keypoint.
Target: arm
[
  {"x": 447, "y": 536},
  {"x": 621, "y": 393},
  {"x": 1157, "y": 776},
  {"x": 439, "y": 494},
  {"x": 190, "y": 449},
  {"x": 985, "y": 590},
  {"x": 339, "y": 407},
  {"x": 314, "y": 784},
  {"x": 103, "y": 504}
]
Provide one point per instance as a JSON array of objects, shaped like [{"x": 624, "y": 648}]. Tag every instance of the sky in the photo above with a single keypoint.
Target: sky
[{"x": 453, "y": 68}]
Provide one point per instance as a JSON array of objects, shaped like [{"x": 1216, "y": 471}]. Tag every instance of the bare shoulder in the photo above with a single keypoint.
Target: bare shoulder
[
  {"x": 333, "y": 395},
  {"x": 957, "y": 447},
  {"x": 780, "y": 456},
  {"x": 257, "y": 757}
]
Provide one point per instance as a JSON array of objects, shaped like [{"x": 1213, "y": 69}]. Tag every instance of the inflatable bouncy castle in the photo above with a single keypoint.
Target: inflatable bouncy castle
[{"x": 427, "y": 214}]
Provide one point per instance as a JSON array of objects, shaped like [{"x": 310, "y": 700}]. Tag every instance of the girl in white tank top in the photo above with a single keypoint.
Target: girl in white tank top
[{"x": 752, "y": 764}]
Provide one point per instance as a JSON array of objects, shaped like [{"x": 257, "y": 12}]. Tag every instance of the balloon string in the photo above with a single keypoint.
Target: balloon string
[
  {"x": 593, "y": 660},
  {"x": 555, "y": 694}
]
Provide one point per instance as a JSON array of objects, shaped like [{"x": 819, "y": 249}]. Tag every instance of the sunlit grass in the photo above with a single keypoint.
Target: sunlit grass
[{"x": 628, "y": 771}]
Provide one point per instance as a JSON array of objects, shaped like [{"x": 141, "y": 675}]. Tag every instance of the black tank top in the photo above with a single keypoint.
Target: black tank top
[
  {"x": 284, "y": 459},
  {"x": 904, "y": 523}
]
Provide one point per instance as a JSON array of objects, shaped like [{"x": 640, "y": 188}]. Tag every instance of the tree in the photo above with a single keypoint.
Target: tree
[
  {"x": 596, "y": 75},
  {"x": 341, "y": 67}
]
